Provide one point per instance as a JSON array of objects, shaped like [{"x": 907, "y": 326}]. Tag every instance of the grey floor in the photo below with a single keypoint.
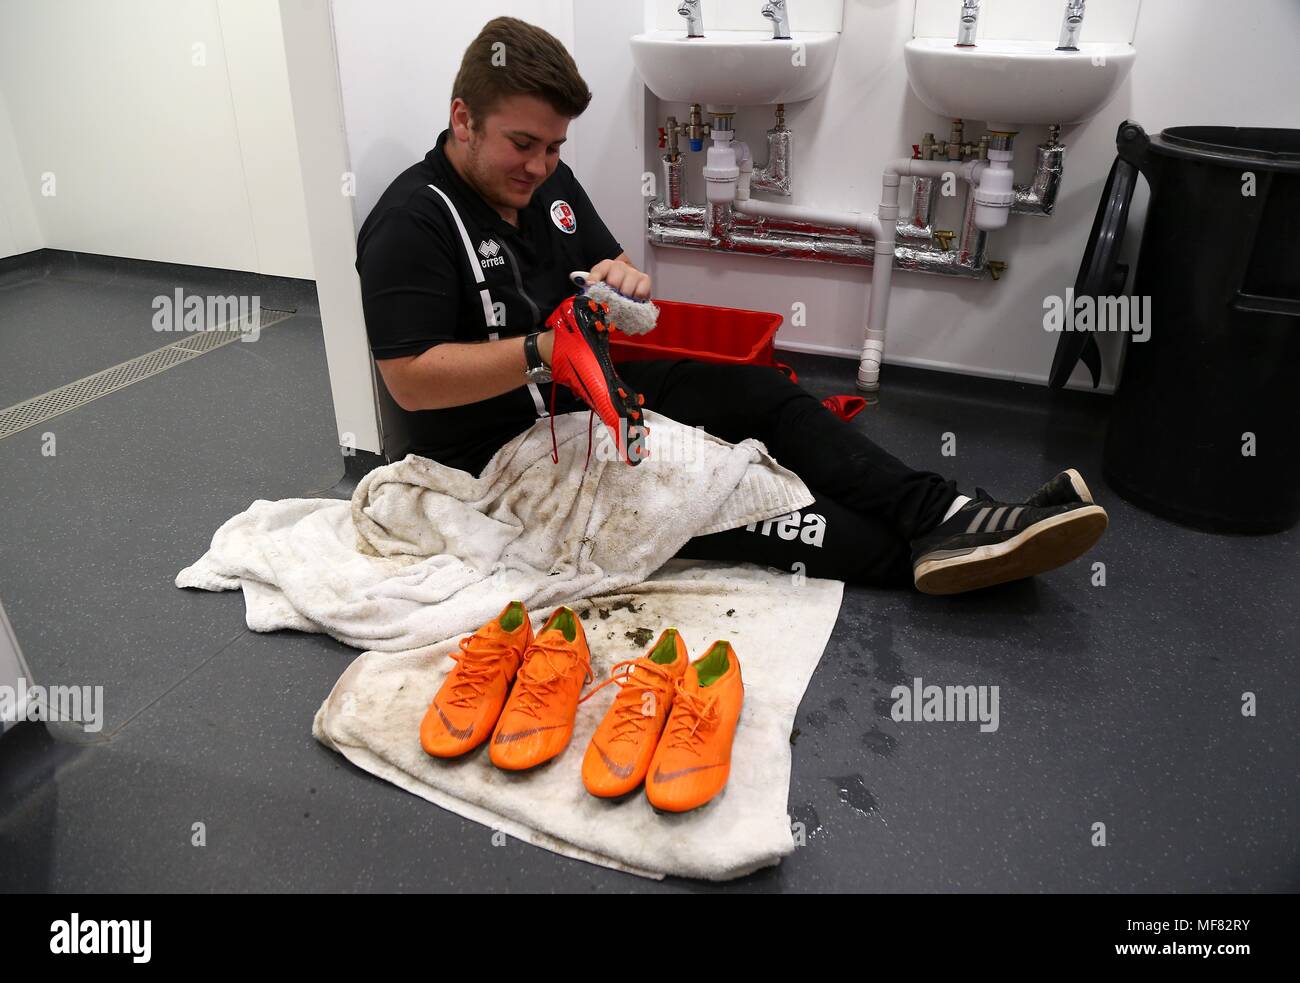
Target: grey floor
[{"x": 1118, "y": 704}]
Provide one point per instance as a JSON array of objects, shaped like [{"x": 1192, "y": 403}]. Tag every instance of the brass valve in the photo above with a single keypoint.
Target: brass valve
[
  {"x": 996, "y": 268},
  {"x": 945, "y": 238}
]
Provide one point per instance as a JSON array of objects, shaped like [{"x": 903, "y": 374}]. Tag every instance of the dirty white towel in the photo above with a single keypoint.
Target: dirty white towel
[
  {"x": 778, "y": 625},
  {"x": 425, "y": 553}
]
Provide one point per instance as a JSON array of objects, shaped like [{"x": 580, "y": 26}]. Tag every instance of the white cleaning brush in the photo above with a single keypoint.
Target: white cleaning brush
[{"x": 629, "y": 315}]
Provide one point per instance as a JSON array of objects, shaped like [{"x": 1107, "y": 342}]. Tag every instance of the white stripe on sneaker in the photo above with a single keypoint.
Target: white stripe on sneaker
[{"x": 955, "y": 507}]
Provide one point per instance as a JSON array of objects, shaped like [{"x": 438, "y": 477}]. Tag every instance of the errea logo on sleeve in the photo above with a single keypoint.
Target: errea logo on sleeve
[{"x": 490, "y": 251}]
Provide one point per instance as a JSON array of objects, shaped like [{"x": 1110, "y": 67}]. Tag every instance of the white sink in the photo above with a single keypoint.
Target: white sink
[
  {"x": 1016, "y": 82},
  {"x": 743, "y": 68}
]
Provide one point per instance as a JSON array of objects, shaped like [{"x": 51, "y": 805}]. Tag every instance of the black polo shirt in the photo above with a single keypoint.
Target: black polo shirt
[{"x": 418, "y": 288}]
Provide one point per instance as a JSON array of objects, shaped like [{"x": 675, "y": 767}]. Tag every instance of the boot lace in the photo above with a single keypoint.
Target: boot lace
[
  {"x": 478, "y": 664},
  {"x": 545, "y": 665},
  {"x": 627, "y": 709}
]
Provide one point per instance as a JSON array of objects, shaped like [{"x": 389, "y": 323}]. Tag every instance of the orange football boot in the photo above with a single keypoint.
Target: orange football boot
[
  {"x": 620, "y": 751},
  {"x": 462, "y": 715},
  {"x": 537, "y": 721},
  {"x": 693, "y": 760}
]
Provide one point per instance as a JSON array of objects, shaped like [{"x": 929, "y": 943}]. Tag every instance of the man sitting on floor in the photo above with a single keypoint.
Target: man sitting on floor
[{"x": 466, "y": 256}]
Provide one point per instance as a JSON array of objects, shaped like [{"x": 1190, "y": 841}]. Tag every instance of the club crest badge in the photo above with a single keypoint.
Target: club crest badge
[{"x": 563, "y": 217}]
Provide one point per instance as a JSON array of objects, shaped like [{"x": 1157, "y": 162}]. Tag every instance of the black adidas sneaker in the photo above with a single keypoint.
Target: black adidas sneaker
[
  {"x": 988, "y": 542},
  {"x": 1066, "y": 488}
]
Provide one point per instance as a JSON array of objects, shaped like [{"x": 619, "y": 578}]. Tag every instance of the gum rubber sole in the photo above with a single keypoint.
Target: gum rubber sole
[
  {"x": 1080, "y": 487},
  {"x": 1044, "y": 546}
]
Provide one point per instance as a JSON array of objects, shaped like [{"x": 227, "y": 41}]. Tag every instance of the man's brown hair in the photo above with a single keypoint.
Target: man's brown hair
[{"x": 512, "y": 57}]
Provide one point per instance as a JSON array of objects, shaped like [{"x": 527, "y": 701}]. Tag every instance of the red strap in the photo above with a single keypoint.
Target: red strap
[{"x": 555, "y": 448}]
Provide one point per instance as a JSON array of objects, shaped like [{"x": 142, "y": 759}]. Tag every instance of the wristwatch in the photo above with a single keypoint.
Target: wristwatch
[{"x": 537, "y": 371}]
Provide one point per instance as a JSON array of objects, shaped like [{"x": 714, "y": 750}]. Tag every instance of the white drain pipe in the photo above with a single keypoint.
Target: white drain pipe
[
  {"x": 882, "y": 276},
  {"x": 882, "y": 270}
]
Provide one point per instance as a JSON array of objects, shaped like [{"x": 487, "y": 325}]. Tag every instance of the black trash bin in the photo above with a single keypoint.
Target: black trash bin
[{"x": 1205, "y": 426}]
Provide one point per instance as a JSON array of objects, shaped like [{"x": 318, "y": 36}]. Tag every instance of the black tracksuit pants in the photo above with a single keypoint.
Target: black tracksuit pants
[{"x": 870, "y": 504}]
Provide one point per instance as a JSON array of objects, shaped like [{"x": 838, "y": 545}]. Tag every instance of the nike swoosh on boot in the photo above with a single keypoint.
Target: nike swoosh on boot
[
  {"x": 460, "y": 733},
  {"x": 661, "y": 776},
  {"x": 519, "y": 735},
  {"x": 619, "y": 771}
]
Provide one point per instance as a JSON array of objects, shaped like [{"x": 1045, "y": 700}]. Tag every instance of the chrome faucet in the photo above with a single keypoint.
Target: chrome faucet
[
  {"x": 690, "y": 9},
  {"x": 774, "y": 10},
  {"x": 1071, "y": 26},
  {"x": 970, "y": 15}
]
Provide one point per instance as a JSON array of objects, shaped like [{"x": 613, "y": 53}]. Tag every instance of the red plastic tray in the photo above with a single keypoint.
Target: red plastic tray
[{"x": 711, "y": 334}]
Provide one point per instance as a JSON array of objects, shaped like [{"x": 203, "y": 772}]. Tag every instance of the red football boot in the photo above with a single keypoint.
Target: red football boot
[{"x": 580, "y": 359}]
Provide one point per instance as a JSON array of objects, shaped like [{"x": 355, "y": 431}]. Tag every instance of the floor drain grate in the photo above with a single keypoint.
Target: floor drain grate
[{"x": 30, "y": 412}]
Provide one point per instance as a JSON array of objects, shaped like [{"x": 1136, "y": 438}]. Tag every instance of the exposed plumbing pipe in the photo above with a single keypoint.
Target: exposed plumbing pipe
[
  {"x": 1039, "y": 196},
  {"x": 918, "y": 224},
  {"x": 867, "y": 224},
  {"x": 973, "y": 242},
  {"x": 774, "y": 176},
  {"x": 721, "y": 168},
  {"x": 881, "y": 226},
  {"x": 994, "y": 191},
  {"x": 685, "y": 228},
  {"x": 731, "y": 220},
  {"x": 882, "y": 274},
  {"x": 674, "y": 181},
  {"x": 674, "y": 221},
  {"x": 744, "y": 161}
]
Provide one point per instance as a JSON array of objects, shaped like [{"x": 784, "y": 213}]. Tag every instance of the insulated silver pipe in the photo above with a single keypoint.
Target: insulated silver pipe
[
  {"x": 915, "y": 224},
  {"x": 1039, "y": 196},
  {"x": 717, "y": 219},
  {"x": 973, "y": 244},
  {"x": 774, "y": 176},
  {"x": 760, "y": 237},
  {"x": 690, "y": 216},
  {"x": 674, "y": 221},
  {"x": 674, "y": 181}
]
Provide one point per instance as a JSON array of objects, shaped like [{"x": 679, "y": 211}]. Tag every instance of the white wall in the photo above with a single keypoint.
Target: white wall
[
  {"x": 1198, "y": 62},
  {"x": 167, "y": 128},
  {"x": 612, "y": 134},
  {"x": 397, "y": 61},
  {"x": 19, "y": 230}
]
